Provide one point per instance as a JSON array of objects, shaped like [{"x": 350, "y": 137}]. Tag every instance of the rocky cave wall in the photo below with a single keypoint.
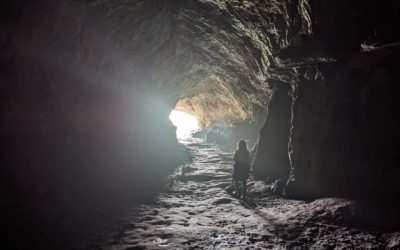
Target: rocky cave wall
[
  {"x": 80, "y": 135},
  {"x": 345, "y": 127},
  {"x": 343, "y": 106},
  {"x": 234, "y": 43}
]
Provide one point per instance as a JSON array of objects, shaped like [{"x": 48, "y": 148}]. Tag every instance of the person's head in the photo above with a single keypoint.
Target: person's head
[{"x": 242, "y": 145}]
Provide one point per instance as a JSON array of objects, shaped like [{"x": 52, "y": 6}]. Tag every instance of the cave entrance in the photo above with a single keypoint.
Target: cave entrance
[{"x": 185, "y": 123}]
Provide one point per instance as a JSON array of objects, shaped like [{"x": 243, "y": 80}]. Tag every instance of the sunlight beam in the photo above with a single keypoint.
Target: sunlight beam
[{"x": 186, "y": 124}]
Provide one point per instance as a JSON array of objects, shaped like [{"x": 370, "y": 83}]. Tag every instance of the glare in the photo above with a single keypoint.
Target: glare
[{"x": 185, "y": 123}]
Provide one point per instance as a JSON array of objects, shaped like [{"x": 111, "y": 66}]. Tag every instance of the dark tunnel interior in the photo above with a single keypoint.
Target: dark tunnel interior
[{"x": 87, "y": 87}]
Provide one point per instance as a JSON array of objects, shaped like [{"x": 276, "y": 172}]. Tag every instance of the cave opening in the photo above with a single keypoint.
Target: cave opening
[{"x": 185, "y": 123}]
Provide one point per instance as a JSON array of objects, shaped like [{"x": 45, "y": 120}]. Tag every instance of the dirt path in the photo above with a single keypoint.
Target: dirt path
[{"x": 196, "y": 213}]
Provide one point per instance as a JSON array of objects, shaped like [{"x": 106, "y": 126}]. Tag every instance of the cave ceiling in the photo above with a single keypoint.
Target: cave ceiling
[{"x": 213, "y": 56}]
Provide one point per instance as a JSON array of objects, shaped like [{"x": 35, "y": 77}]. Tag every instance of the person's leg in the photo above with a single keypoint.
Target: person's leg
[
  {"x": 236, "y": 184},
  {"x": 244, "y": 188}
]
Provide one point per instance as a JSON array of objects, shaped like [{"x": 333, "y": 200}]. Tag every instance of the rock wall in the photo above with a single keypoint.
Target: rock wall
[
  {"x": 272, "y": 159},
  {"x": 344, "y": 127},
  {"x": 344, "y": 116},
  {"x": 81, "y": 133}
]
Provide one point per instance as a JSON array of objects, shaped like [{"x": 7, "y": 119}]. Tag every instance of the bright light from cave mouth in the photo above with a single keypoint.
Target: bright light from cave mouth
[{"x": 185, "y": 123}]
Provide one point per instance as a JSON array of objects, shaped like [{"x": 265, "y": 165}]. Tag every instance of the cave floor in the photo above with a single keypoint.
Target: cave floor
[{"x": 196, "y": 212}]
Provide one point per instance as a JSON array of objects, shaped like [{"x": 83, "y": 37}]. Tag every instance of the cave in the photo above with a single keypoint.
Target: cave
[{"x": 94, "y": 95}]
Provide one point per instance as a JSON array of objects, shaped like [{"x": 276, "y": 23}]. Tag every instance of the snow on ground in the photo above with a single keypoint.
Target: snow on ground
[{"x": 196, "y": 212}]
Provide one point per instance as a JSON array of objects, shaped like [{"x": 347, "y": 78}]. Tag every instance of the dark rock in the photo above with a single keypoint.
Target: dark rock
[
  {"x": 394, "y": 242},
  {"x": 272, "y": 157},
  {"x": 278, "y": 187},
  {"x": 222, "y": 201}
]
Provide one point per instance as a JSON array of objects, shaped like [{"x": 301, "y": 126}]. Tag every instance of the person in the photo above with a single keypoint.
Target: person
[{"x": 241, "y": 167}]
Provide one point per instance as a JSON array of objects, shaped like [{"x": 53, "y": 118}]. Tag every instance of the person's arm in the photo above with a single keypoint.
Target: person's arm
[{"x": 235, "y": 157}]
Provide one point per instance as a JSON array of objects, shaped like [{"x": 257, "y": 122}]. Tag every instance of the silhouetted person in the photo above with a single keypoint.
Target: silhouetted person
[{"x": 241, "y": 167}]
